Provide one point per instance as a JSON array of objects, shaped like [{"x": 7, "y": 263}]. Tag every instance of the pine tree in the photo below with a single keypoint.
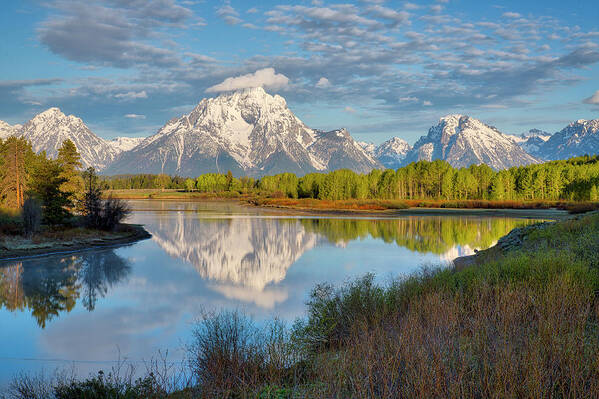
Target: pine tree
[
  {"x": 70, "y": 161},
  {"x": 46, "y": 181},
  {"x": 14, "y": 175}
]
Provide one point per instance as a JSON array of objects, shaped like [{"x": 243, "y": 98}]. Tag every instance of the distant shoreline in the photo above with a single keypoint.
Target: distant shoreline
[
  {"x": 134, "y": 234},
  {"x": 388, "y": 208}
]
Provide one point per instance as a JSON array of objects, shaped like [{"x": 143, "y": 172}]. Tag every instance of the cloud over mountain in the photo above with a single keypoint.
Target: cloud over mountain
[{"x": 266, "y": 78}]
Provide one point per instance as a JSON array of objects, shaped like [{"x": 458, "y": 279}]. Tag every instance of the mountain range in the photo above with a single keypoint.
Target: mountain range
[{"x": 251, "y": 132}]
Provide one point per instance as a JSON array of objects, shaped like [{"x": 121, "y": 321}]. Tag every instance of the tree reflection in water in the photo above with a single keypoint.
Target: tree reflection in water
[{"x": 51, "y": 286}]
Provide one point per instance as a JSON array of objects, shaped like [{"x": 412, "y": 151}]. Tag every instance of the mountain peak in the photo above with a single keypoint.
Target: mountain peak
[
  {"x": 248, "y": 132},
  {"x": 49, "y": 129},
  {"x": 462, "y": 140},
  {"x": 54, "y": 111},
  {"x": 392, "y": 152},
  {"x": 576, "y": 139},
  {"x": 452, "y": 117},
  {"x": 253, "y": 95}
]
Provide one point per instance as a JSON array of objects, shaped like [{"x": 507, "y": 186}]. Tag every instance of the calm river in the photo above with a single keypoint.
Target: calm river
[{"x": 84, "y": 310}]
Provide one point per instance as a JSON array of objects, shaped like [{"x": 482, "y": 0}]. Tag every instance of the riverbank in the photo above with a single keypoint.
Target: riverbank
[
  {"x": 551, "y": 209},
  {"x": 67, "y": 240},
  {"x": 527, "y": 239}
]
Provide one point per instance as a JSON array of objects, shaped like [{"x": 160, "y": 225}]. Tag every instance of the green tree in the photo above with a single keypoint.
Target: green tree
[
  {"x": 162, "y": 181},
  {"x": 190, "y": 185},
  {"x": 46, "y": 182},
  {"x": 14, "y": 175},
  {"x": 594, "y": 193},
  {"x": 70, "y": 162},
  {"x": 91, "y": 205}
]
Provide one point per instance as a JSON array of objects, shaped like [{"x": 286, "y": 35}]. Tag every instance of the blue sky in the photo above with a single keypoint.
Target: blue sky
[{"x": 379, "y": 68}]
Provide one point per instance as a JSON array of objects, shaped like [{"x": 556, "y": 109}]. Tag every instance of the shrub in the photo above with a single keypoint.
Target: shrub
[
  {"x": 113, "y": 213},
  {"x": 109, "y": 386},
  {"x": 31, "y": 216},
  {"x": 225, "y": 356}
]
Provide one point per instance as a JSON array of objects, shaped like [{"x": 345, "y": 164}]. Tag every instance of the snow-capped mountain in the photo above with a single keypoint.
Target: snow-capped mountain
[
  {"x": 248, "y": 132},
  {"x": 337, "y": 150},
  {"x": 47, "y": 131},
  {"x": 392, "y": 152},
  {"x": 578, "y": 138},
  {"x": 463, "y": 141},
  {"x": 532, "y": 141},
  {"x": 122, "y": 144},
  {"x": 7, "y": 130},
  {"x": 368, "y": 147}
]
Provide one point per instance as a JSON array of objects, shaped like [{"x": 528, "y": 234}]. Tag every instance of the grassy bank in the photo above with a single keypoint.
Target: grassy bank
[
  {"x": 170, "y": 194},
  {"x": 522, "y": 322}
]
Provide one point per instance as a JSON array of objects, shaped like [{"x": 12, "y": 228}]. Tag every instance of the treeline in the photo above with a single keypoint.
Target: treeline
[{"x": 573, "y": 179}]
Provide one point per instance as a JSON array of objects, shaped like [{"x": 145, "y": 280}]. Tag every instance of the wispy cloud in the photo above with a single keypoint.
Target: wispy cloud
[{"x": 594, "y": 99}]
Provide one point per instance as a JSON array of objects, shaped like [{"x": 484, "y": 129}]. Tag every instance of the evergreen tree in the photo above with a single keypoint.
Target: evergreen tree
[
  {"x": 91, "y": 206},
  {"x": 70, "y": 162},
  {"x": 46, "y": 181},
  {"x": 14, "y": 175}
]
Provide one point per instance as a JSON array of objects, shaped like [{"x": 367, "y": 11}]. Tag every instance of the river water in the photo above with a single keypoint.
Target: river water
[{"x": 88, "y": 309}]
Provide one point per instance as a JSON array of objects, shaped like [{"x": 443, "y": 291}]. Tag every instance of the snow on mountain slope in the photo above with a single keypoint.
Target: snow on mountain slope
[
  {"x": 337, "y": 150},
  {"x": 368, "y": 147},
  {"x": 7, "y": 130},
  {"x": 463, "y": 141},
  {"x": 532, "y": 140},
  {"x": 248, "y": 132},
  {"x": 47, "y": 131},
  {"x": 392, "y": 152},
  {"x": 121, "y": 144},
  {"x": 576, "y": 139}
]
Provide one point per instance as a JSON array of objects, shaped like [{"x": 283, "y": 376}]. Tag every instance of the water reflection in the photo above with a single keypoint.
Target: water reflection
[
  {"x": 48, "y": 290},
  {"x": 244, "y": 257},
  {"x": 239, "y": 257},
  {"x": 144, "y": 297}
]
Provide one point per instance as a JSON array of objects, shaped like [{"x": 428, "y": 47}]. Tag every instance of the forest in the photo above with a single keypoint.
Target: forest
[{"x": 575, "y": 179}]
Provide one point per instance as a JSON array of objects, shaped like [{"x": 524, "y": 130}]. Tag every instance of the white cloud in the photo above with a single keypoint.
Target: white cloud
[
  {"x": 350, "y": 110},
  {"x": 135, "y": 116},
  {"x": 323, "y": 83},
  {"x": 266, "y": 77},
  {"x": 408, "y": 99},
  {"x": 594, "y": 99},
  {"x": 427, "y": 103},
  {"x": 132, "y": 95},
  {"x": 511, "y": 15}
]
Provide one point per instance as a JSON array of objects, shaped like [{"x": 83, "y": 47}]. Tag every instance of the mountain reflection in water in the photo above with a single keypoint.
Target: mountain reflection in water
[{"x": 242, "y": 256}]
